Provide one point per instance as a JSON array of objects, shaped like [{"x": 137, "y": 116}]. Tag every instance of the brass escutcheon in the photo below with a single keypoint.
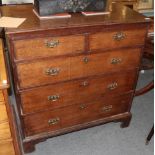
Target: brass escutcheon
[
  {"x": 85, "y": 60},
  {"x": 85, "y": 83},
  {"x": 82, "y": 106}
]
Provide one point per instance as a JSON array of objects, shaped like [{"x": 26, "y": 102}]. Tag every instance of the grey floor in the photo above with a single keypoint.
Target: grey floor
[{"x": 109, "y": 139}]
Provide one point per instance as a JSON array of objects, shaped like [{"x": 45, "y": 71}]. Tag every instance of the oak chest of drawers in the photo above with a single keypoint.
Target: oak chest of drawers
[{"x": 71, "y": 74}]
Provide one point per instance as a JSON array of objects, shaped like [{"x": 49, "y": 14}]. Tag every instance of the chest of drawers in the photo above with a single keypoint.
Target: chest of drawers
[{"x": 71, "y": 74}]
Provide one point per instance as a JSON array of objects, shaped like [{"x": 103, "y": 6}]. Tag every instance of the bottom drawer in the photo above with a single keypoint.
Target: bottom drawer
[
  {"x": 73, "y": 115},
  {"x": 6, "y": 148}
]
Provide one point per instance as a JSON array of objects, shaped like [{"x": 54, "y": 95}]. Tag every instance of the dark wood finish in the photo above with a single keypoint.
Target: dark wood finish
[{"x": 97, "y": 71}]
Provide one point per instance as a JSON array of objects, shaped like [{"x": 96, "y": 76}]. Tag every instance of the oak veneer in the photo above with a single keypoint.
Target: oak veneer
[{"x": 95, "y": 73}]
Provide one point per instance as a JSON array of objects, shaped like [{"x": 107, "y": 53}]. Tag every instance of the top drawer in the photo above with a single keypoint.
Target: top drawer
[
  {"x": 48, "y": 46},
  {"x": 117, "y": 39}
]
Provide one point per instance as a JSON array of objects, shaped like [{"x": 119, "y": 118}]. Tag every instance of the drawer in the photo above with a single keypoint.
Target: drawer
[
  {"x": 6, "y": 147},
  {"x": 95, "y": 64},
  {"x": 49, "y": 46},
  {"x": 68, "y": 93},
  {"x": 55, "y": 70},
  {"x": 4, "y": 131},
  {"x": 47, "y": 71},
  {"x": 117, "y": 39},
  {"x": 75, "y": 115},
  {"x": 1, "y": 96},
  {"x": 3, "y": 113}
]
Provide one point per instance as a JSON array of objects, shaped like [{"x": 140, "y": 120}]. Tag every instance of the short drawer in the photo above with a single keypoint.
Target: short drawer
[
  {"x": 106, "y": 62},
  {"x": 4, "y": 131},
  {"x": 3, "y": 113},
  {"x": 75, "y": 115},
  {"x": 49, "y": 46},
  {"x": 68, "y": 93},
  {"x": 6, "y": 147},
  {"x": 117, "y": 39},
  {"x": 50, "y": 71},
  {"x": 43, "y": 72}
]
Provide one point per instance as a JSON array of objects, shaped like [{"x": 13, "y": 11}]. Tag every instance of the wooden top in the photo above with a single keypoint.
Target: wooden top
[
  {"x": 3, "y": 75},
  {"x": 119, "y": 14}
]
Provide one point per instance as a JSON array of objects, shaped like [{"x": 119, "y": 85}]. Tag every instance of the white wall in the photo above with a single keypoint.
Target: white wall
[{"x": 16, "y": 1}]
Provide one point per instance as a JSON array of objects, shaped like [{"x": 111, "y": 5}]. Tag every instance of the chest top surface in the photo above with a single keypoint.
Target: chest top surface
[{"x": 119, "y": 14}]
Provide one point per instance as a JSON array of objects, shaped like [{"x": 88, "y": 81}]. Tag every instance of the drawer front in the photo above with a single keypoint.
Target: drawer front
[
  {"x": 106, "y": 62},
  {"x": 5, "y": 131},
  {"x": 117, "y": 39},
  {"x": 74, "y": 115},
  {"x": 3, "y": 113},
  {"x": 6, "y": 148},
  {"x": 52, "y": 46},
  {"x": 79, "y": 91},
  {"x": 56, "y": 70},
  {"x": 1, "y": 96},
  {"x": 43, "y": 72}
]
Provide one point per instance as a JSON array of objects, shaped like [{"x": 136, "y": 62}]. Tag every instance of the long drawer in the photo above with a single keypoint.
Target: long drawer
[
  {"x": 79, "y": 91},
  {"x": 48, "y": 71},
  {"x": 73, "y": 115},
  {"x": 48, "y": 46},
  {"x": 117, "y": 38}
]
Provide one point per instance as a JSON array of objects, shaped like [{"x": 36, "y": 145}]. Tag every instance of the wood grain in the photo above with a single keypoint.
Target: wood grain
[
  {"x": 3, "y": 76},
  {"x": 7, "y": 148},
  {"x": 102, "y": 40},
  {"x": 3, "y": 113},
  {"x": 72, "y": 115},
  {"x": 78, "y": 91},
  {"x": 34, "y": 48},
  {"x": 5, "y": 131}
]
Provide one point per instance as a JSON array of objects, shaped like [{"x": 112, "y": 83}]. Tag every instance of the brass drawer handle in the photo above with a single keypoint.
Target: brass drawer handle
[
  {"x": 107, "y": 108},
  {"x": 53, "y": 98},
  {"x": 53, "y": 121},
  {"x": 85, "y": 83},
  {"x": 85, "y": 60},
  {"x": 116, "y": 61},
  {"x": 52, "y": 71},
  {"x": 112, "y": 86},
  {"x": 52, "y": 43},
  {"x": 119, "y": 36}
]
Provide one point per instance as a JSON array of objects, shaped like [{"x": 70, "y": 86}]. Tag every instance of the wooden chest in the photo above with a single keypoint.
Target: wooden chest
[
  {"x": 71, "y": 74},
  {"x": 8, "y": 137}
]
